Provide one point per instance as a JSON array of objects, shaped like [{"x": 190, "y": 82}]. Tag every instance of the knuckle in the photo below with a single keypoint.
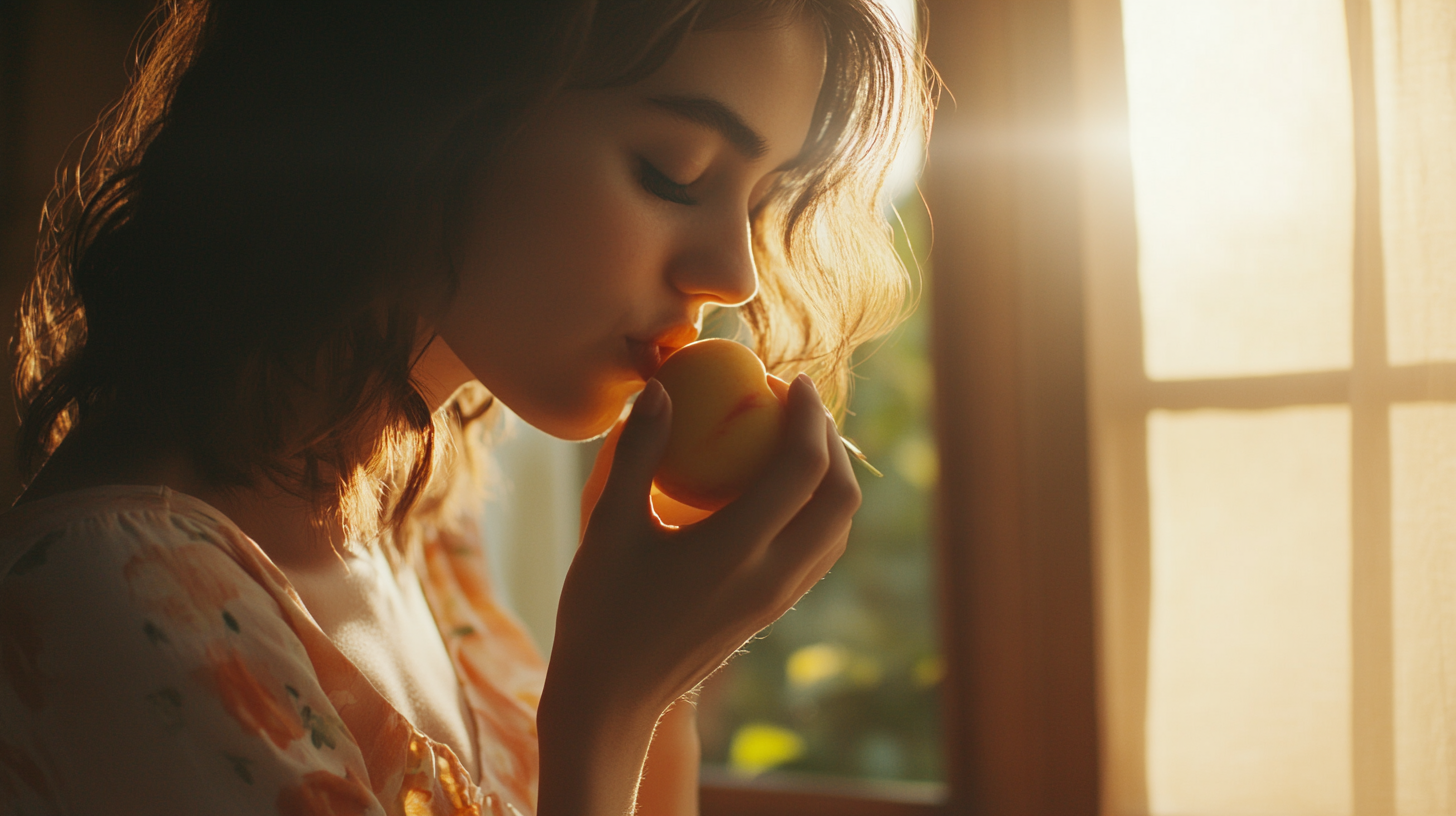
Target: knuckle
[{"x": 843, "y": 492}]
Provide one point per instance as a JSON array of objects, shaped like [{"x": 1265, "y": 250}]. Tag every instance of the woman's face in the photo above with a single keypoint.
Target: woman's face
[{"x": 594, "y": 242}]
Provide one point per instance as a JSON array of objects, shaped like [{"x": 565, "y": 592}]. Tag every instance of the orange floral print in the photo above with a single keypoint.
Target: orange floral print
[
  {"x": 257, "y": 709},
  {"x": 178, "y": 582},
  {"x": 416, "y": 802},
  {"x": 182, "y": 594},
  {"x": 454, "y": 787},
  {"x": 324, "y": 794},
  {"x": 416, "y": 790},
  {"x": 502, "y": 671}
]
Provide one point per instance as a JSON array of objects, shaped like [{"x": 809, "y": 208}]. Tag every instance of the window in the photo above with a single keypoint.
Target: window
[{"x": 1274, "y": 407}]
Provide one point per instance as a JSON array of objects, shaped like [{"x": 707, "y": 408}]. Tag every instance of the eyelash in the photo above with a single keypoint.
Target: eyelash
[{"x": 656, "y": 182}]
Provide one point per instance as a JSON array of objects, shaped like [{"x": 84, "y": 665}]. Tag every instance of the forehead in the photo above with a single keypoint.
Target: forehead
[{"x": 770, "y": 76}]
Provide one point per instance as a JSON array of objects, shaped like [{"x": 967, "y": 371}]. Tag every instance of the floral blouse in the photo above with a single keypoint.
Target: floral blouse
[{"x": 153, "y": 659}]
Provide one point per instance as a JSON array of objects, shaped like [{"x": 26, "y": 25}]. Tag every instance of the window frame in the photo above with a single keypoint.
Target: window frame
[
  {"x": 1014, "y": 531},
  {"x": 1123, "y": 396}
]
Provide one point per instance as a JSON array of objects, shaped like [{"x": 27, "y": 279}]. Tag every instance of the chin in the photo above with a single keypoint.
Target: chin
[{"x": 583, "y": 422}]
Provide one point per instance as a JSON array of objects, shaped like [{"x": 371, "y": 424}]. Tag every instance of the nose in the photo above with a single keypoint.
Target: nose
[{"x": 717, "y": 265}]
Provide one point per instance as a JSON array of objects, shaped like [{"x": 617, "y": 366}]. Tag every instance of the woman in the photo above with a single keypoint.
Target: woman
[{"x": 317, "y": 242}]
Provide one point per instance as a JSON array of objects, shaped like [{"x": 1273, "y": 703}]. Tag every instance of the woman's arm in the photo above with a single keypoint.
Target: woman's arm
[
  {"x": 648, "y": 611},
  {"x": 669, "y": 785},
  {"x": 604, "y": 761},
  {"x": 670, "y": 779}
]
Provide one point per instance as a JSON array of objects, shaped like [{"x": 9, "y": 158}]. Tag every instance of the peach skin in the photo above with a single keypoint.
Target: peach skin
[
  {"x": 668, "y": 511},
  {"x": 725, "y": 423}
]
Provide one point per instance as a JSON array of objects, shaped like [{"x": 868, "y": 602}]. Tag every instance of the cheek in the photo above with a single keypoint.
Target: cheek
[
  {"x": 584, "y": 229},
  {"x": 560, "y": 263},
  {"x": 558, "y": 236}
]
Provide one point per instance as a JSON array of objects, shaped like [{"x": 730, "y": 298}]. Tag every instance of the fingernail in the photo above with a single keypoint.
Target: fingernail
[
  {"x": 651, "y": 401},
  {"x": 804, "y": 378}
]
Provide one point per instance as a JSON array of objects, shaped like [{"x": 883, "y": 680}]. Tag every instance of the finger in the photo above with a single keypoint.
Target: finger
[
  {"x": 601, "y": 468},
  {"x": 820, "y": 568},
  {"x": 818, "y": 535},
  {"x": 673, "y": 512},
  {"x": 790, "y": 478},
  {"x": 639, "y": 449},
  {"x": 825, "y": 517},
  {"x": 795, "y": 589},
  {"x": 779, "y": 387},
  {"x": 781, "y": 390}
]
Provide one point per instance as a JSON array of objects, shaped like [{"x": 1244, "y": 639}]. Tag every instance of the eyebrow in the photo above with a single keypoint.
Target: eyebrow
[{"x": 714, "y": 115}]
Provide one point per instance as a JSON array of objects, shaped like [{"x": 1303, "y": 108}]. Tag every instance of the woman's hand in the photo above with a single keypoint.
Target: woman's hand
[
  {"x": 649, "y": 610},
  {"x": 680, "y": 601},
  {"x": 669, "y": 511}
]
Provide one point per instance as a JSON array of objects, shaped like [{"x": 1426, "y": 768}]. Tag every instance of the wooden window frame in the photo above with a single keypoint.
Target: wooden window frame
[
  {"x": 1014, "y": 531},
  {"x": 1368, "y": 387}
]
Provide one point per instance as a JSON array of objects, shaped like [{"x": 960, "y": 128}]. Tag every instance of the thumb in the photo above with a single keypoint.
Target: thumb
[
  {"x": 601, "y": 468},
  {"x": 640, "y": 448}
]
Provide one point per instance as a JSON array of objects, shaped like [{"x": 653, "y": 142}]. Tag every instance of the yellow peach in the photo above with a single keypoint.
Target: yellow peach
[{"x": 726, "y": 417}]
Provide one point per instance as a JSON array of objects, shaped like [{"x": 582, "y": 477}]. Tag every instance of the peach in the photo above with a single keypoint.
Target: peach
[{"x": 726, "y": 416}]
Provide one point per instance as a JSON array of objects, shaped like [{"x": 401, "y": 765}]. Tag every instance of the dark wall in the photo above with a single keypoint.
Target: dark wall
[{"x": 62, "y": 62}]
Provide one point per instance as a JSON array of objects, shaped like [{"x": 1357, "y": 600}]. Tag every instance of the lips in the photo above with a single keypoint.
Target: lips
[{"x": 647, "y": 355}]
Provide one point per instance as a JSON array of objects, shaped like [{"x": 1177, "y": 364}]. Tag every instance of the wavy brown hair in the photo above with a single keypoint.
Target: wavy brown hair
[{"x": 247, "y": 257}]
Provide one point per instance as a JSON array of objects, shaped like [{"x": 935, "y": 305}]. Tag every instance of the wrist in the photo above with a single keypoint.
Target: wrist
[
  {"x": 670, "y": 778},
  {"x": 592, "y": 751}
]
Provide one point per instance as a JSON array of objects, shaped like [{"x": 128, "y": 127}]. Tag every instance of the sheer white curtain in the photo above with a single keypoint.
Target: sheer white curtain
[
  {"x": 1270, "y": 249},
  {"x": 532, "y": 520}
]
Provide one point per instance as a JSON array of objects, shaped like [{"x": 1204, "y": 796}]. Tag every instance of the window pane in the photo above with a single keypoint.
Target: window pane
[
  {"x": 1240, "y": 116},
  {"x": 1423, "y": 514},
  {"x": 1249, "y": 649},
  {"x": 1415, "y": 51},
  {"x": 845, "y": 684}
]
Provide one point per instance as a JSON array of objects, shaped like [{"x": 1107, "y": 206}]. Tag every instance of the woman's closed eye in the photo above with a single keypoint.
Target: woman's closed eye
[{"x": 659, "y": 184}]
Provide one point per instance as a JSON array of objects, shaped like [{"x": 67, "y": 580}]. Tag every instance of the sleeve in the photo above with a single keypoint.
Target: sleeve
[{"x": 145, "y": 671}]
